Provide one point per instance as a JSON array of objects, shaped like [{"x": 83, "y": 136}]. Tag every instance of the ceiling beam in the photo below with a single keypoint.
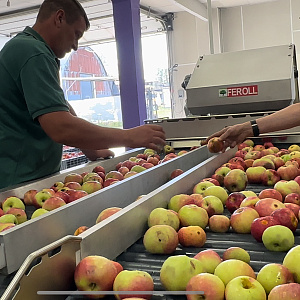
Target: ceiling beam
[{"x": 193, "y": 7}]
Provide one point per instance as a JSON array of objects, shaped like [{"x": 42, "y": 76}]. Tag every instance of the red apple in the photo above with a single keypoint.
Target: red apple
[
  {"x": 241, "y": 153},
  {"x": 176, "y": 173},
  {"x": 270, "y": 193},
  {"x": 259, "y": 225},
  {"x": 286, "y": 218},
  {"x": 29, "y": 196},
  {"x": 238, "y": 160},
  {"x": 212, "y": 180},
  {"x": 270, "y": 177},
  {"x": 98, "y": 169},
  {"x": 75, "y": 194},
  {"x": 294, "y": 208},
  {"x": 266, "y": 206},
  {"x": 234, "y": 201},
  {"x": 292, "y": 198},
  {"x": 62, "y": 195}
]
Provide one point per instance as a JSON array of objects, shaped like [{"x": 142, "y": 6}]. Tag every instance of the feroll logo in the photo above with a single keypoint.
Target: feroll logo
[{"x": 222, "y": 92}]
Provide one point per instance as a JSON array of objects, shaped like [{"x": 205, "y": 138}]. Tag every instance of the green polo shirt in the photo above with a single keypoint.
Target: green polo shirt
[{"x": 29, "y": 87}]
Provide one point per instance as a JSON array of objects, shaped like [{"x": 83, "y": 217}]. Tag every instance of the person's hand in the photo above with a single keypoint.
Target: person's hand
[
  {"x": 149, "y": 136},
  {"x": 232, "y": 135},
  {"x": 96, "y": 154}
]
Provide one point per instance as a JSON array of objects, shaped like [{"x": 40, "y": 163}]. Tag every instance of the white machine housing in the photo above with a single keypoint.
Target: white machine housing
[{"x": 256, "y": 80}]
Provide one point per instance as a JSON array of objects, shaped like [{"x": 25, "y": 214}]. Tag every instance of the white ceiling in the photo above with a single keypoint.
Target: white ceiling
[{"x": 22, "y": 13}]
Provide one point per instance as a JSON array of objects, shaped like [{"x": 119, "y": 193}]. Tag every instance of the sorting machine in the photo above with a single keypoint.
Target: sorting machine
[{"x": 38, "y": 258}]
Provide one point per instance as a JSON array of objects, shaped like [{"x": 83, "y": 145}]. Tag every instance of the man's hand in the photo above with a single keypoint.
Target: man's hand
[
  {"x": 149, "y": 136},
  {"x": 95, "y": 154}
]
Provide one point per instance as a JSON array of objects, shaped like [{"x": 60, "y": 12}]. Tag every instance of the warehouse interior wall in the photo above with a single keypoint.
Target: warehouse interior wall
[{"x": 236, "y": 28}]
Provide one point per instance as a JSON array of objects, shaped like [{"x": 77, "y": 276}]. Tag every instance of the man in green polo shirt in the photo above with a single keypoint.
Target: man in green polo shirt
[{"x": 35, "y": 118}]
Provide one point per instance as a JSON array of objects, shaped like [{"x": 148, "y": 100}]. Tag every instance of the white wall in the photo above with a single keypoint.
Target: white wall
[
  {"x": 3, "y": 41},
  {"x": 237, "y": 28}
]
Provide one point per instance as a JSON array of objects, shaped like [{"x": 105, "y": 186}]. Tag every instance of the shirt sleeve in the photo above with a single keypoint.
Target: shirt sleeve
[{"x": 41, "y": 87}]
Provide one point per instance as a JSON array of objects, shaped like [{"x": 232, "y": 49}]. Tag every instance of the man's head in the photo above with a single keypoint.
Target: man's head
[{"x": 61, "y": 23}]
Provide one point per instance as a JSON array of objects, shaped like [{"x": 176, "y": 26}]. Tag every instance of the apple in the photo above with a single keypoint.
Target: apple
[
  {"x": 211, "y": 285},
  {"x": 53, "y": 203},
  {"x": 9, "y": 218},
  {"x": 168, "y": 149},
  {"x": 192, "y": 214},
  {"x": 259, "y": 225},
  {"x": 29, "y": 196},
  {"x": 274, "y": 149},
  {"x": 249, "y": 142},
  {"x": 107, "y": 212},
  {"x": 178, "y": 201},
  {"x": 216, "y": 191},
  {"x": 56, "y": 186},
  {"x": 254, "y": 174},
  {"x": 182, "y": 152},
  {"x": 162, "y": 216},
  {"x": 74, "y": 195},
  {"x": 200, "y": 187},
  {"x": 244, "y": 287},
  {"x": 238, "y": 160},
  {"x": 160, "y": 239},
  {"x": 98, "y": 168},
  {"x": 274, "y": 274},
  {"x": 249, "y": 193},
  {"x": 278, "y": 238},
  {"x": 286, "y": 218},
  {"x": 241, "y": 153},
  {"x": 1, "y": 212},
  {"x": 270, "y": 193},
  {"x": 288, "y": 291},
  {"x": 209, "y": 259},
  {"x": 242, "y": 146},
  {"x": 142, "y": 155},
  {"x": 212, "y": 180},
  {"x": 234, "y": 201},
  {"x": 270, "y": 177},
  {"x": 236, "y": 253},
  {"x": 294, "y": 208},
  {"x": 288, "y": 172},
  {"x": 91, "y": 186},
  {"x": 73, "y": 177},
  {"x": 294, "y": 147},
  {"x": 129, "y": 164},
  {"x": 249, "y": 202},
  {"x": 259, "y": 147},
  {"x": 80, "y": 229},
  {"x": 40, "y": 198},
  {"x": 252, "y": 154},
  {"x": 110, "y": 181},
  {"x": 114, "y": 174},
  {"x": 138, "y": 169},
  {"x": 122, "y": 170},
  {"x": 215, "y": 145},
  {"x": 19, "y": 213},
  {"x": 220, "y": 174},
  {"x": 232, "y": 166},
  {"x": 62, "y": 195},
  {"x": 12, "y": 201},
  {"x": 50, "y": 191},
  {"x": 133, "y": 280},
  {"x": 292, "y": 198},
  {"x": 235, "y": 180},
  {"x": 92, "y": 177},
  {"x": 266, "y": 206},
  {"x": 6, "y": 226},
  {"x": 38, "y": 212},
  {"x": 232, "y": 268},
  {"x": 73, "y": 185},
  {"x": 177, "y": 270},
  {"x": 264, "y": 162},
  {"x": 285, "y": 187},
  {"x": 176, "y": 173},
  {"x": 291, "y": 261},
  {"x": 297, "y": 179},
  {"x": 242, "y": 218},
  {"x": 286, "y": 157},
  {"x": 278, "y": 162},
  {"x": 212, "y": 204},
  {"x": 118, "y": 266},
  {"x": 219, "y": 223},
  {"x": 153, "y": 160},
  {"x": 192, "y": 236},
  {"x": 95, "y": 273}
]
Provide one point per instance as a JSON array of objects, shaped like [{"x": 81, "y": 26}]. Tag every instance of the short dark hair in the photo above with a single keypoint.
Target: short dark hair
[{"x": 72, "y": 8}]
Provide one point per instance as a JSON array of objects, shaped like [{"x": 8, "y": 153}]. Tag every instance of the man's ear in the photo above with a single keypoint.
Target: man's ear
[{"x": 59, "y": 17}]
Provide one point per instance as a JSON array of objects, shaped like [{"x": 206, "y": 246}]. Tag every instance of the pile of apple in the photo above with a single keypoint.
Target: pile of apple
[{"x": 76, "y": 186}]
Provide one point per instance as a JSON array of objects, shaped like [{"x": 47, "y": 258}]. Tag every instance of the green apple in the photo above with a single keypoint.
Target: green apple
[
  {"x": 40, "y": 198},
  {"x": 193, "y": 215},
  {"x": 12, "y": 202},
  {"x": 38, "y": 212},
  {"x": 232, "y": 268},
  {"x": 291, "y": 261},
  {"x": 200, "y": 187},
  {"x": 168, "y": 149},
  {"x": 19, "y": 213},
  {"x": 274, "y": 274},
  {"x": 213, "y": 205},
  {"x": 133, "y": 280},
  {"x": 236, "y": 253},
  {"x": 160, "y": 239},
  {"x": 242, "y": 218},
  {"x": 246, "y": 288},
  {"x": 9, "y": 218},
  {"x": 91, "y": 186},
  {"x": 178, "y": 201},
  {"x": 285, "y": 187},
  {"x": 217, "y": 191},
  {"x": 235, "y": 180},
  {"x": 255, "y": 173},
  {"x": 278, "y": 238},
  {"x": 138, "y": 169},
  {"x": 248, "y": 193},
  {"x": 162, "y": 216},
  {"x": 5, "y": 226},
  {"x": 177, "y": 270}
]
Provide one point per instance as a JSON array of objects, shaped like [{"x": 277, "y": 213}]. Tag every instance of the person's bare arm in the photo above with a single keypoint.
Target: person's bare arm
[
  {"x": 285, "y": 118},
  {"x": 70, "y": 130}
]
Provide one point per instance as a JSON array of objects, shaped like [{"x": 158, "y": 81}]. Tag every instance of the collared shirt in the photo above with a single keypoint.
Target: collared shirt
[{"x": 29, "y": 88}]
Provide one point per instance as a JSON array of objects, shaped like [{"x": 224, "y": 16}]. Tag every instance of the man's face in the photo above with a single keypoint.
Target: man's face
[{"x": 69, "y": 36}]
